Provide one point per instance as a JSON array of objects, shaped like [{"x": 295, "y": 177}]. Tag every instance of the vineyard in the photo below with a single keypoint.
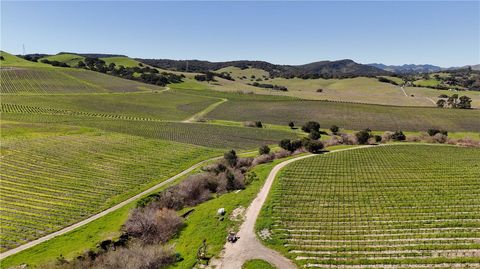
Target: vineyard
[
  {"x": 349, "y": 116},
  {"x": 55, "y": 176},
  {"x": 48, "y": 80},
  {"x": 404, "y": 206},
  {"x": 201, "y": 134},
  {"x": 145, "y": 106}
]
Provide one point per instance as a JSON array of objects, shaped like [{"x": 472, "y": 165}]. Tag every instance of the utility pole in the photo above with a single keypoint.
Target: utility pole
[{"x": 23, "y": 47}]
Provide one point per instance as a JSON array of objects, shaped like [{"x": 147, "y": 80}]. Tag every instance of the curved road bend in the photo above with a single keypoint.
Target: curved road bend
[{"x": 248, "y": 246}]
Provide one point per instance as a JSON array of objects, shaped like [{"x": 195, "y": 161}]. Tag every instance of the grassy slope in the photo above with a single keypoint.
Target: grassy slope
[
  {"x": 125, "y": 61},
  {"x": 12, "y": 60},
  {"x": 70, "y": 59},
  {"x": 349, "y": 116}
]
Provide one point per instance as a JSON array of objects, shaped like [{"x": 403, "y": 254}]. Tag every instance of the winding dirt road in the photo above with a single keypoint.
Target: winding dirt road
[{"x": 248, "y": 246}]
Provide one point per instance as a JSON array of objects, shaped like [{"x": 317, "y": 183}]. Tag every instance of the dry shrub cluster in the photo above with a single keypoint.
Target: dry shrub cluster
[
  {"x": 137, "y": 256},
  {"x": 153, "y": 225}
]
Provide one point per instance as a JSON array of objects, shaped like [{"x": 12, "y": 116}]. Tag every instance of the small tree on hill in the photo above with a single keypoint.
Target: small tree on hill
[
  {"x": 363, "y": 136},
  {"x": 264, "y": 150},
  {"x": 311, "y": 126},
  {"x": 314, "y": 135},
  {"x": 313, "y": 146},
  {"x": 231, "y": 157},
  {"x": 285, "y": 144},
  {"x": 334, "y": 129},
  {"x": 291, "y": 124}
]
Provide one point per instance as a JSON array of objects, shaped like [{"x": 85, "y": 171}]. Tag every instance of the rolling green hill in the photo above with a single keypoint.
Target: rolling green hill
[{"x": 70, "y": 59}]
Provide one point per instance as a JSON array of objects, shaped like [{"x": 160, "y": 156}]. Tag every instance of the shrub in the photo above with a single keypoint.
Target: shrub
[
  {"x": 313, "y": 146},
  {"x": 387, "y": 136},
  {"x": 152, "y": 225},
  {"x": 398, "y": 136},
  {"x": 311, "y": 126},
  {"x": 264, "y": 150},
  {"x": 265, "y": 158},
  {"x": 377, "y": 138},
  {"x": 285, "y": 144},
  {"x": 257, "y": 124},
  {"x": 363, "y": 136},
  {"x": 314, "y": 135},
  {"x": 443, "y": 96},
  {"x": 136, "y": 257},
  {"x": 334, "y": 129},
  {"x": 230, "y": 157},
  {"x": 440, "y": 138},
  {"x": 291, "y": 124}
]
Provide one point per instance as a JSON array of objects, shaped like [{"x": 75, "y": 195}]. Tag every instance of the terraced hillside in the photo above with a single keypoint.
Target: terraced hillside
[
  {"x": 54, "y": 175},
  {"x": 404, "y": 206},
  {"x": 349, "y": 116}
]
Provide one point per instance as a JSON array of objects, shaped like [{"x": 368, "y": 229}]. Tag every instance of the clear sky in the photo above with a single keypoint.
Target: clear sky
[{"x": 435, "y": 32}]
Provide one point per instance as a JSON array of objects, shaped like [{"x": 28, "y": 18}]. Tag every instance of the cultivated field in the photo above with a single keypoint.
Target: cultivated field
[
  {"x": 53, "y": 176},
  {"x": 404, "y": 206},
  {"x": 349, "y": 116},
  {"x": 51, "y": 80},
  {"x": 155, "y": 106}
]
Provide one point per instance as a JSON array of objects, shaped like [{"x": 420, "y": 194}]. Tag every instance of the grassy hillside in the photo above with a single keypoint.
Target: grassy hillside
[
  {"x": 50, "y": 174},
  {"x": 12, "y": 60},
  {"x": 70, "y": 59},
  {"x": 385, "y": 207},
  {"x": 349, "y": 116},
  {"x": 125, "y": 61}
]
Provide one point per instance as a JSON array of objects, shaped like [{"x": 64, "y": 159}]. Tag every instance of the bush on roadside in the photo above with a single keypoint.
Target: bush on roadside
[{"x": 153, "y": 225}]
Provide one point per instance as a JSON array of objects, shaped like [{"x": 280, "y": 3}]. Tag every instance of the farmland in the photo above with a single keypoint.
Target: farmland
[
  {"x": 398, "y": 206},
  {"x": 349, "y": 116},
  {"x": 55, "y": 176},
  {"x": 50, "y": 80}
]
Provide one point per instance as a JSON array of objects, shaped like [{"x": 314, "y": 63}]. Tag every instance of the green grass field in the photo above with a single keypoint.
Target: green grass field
[
  {"x": 70, "y": 59},
  {"x": 405, "y": 206},
  {"x": 51, "y": 178},
  {"x": 349, "y": 116}
]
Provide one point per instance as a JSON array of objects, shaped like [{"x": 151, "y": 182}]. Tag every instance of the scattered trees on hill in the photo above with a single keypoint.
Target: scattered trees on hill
[
  {"x": 54, "y": 63},
  {"x": 386, "y": 80},
  {"x": 456, "y": 102},
  {"x": 269, "y": 86}
]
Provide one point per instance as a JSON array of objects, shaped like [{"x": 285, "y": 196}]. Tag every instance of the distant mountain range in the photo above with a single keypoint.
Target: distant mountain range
[
  {"x": 326, "y": 69},
  {"x": 417, "y": 68}
]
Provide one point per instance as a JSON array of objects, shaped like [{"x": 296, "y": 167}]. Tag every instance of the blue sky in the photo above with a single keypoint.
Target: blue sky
[{"x": 436, "y": 32}]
